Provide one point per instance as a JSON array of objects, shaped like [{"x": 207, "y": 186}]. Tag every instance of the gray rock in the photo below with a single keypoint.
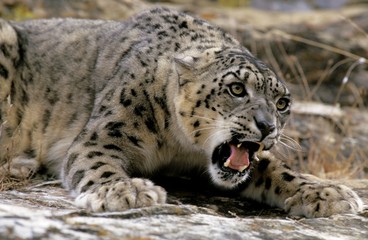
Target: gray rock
[{"x": 46, "y": 212}]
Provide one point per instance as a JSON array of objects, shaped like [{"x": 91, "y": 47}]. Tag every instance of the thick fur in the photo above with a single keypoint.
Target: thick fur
[{"x": 104, "y": 105}]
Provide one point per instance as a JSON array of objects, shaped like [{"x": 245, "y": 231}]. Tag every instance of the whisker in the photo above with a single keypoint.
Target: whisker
[
  {"x": 202, "y": 129},
  {"x": 203, "y": 117},
  {"x": 294, "y": 146},
  {"x": 213, "y": 134},
  {"x": 281, "y": 152},
  {"x": 220, "y": 122},
  {"x": 209, "y": 127},
  {"x": 290, "y": 140}
]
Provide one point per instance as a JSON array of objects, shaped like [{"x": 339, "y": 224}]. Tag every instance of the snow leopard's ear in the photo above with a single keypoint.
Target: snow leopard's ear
[
  {"x": 185, "y": 68},
  {"x": 186, "y": 62},
  {"x": 196, "y": 60}
]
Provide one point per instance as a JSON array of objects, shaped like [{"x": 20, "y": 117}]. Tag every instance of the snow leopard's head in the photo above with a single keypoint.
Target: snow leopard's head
[{"x": 230, "y": 105}]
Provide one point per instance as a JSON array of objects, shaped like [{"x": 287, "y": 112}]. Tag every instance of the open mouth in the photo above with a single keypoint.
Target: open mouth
[{"x": 235, "y": 156}]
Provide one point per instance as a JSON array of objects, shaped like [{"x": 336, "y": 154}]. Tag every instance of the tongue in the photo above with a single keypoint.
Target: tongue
[{"x": 239, "y": 158}]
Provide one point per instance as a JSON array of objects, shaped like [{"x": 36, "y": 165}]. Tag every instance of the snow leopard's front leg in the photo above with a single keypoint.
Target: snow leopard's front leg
[
  {"x": 274, "y": 183},
  {"x": 98, "y": 168}
]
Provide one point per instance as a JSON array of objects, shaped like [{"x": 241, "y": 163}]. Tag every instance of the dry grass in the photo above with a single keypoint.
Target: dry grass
[
  {"x": 328, "y": 160},
  {"x": 8, "y": 182},
  {"x": 318, "y": 156},
  {"x": 333, "y": 164}
]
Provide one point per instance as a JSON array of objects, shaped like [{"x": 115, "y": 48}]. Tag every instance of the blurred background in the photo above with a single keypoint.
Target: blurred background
[{"x": 319, "y": 47}]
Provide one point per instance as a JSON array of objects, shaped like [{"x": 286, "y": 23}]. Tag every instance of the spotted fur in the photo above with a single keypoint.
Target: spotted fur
[{"x": 104, "y": 105}]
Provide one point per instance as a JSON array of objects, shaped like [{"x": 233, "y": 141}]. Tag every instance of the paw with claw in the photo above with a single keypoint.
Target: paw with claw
[
  {"x": 121, "y": 195},
  {"x": 323, "y": 200}
]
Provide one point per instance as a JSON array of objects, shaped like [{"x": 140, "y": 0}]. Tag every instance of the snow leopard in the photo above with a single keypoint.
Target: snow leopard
[{"x": 105, "y": 105}]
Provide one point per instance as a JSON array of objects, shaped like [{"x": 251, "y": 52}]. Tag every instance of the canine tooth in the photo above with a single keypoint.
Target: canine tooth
[
  {"x": 239, "y": 145},
  {"x": 255, "y": 157},
  {"x": 261, "y": 147},
  {"x": 227, "y": 163},
  {"x": 243, "y": 168}
]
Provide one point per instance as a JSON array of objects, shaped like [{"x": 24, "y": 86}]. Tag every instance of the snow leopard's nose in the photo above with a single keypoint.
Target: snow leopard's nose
[{"x": 265, "y": 126}]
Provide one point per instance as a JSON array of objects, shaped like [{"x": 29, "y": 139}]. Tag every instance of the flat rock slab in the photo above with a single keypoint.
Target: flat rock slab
[{"x": 45, "y": 211}]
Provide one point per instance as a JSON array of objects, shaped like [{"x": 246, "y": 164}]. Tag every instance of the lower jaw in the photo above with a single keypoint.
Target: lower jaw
[{"x": 228, "y": 179}]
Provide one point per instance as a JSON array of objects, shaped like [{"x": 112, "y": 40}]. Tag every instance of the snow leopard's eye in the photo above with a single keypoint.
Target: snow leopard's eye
[
  {"x": 237, "y": 89},
  {"x": 283, "y": 104}
]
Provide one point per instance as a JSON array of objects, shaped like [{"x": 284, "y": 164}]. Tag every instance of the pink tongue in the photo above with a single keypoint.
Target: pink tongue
[{"x": 239, "y": 158}]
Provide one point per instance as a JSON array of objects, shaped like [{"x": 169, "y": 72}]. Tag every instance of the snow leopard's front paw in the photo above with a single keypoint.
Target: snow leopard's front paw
[
  {"x": 323, "y": 200},
  {"x": 121, "y": 195}
]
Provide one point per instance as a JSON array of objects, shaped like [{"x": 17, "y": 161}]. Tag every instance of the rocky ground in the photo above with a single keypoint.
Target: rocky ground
[
  {"x": 45, "y": 211},
  {"x": 312, "y": 50}
]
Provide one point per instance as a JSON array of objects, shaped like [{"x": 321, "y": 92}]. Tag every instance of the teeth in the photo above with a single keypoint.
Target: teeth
[
  {"x": 243, "y": 168},
  {"x": 261, "y": 147},
  {"x": 255, "y": 157},
  {"x": 227, "y": 163}
]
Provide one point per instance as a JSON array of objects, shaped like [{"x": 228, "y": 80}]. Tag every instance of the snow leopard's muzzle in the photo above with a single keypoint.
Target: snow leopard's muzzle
[{"x": 232, "y": 159}]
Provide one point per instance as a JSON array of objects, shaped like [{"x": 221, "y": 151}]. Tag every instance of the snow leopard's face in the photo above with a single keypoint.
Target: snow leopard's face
[{"x": 231, "y": 106}]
